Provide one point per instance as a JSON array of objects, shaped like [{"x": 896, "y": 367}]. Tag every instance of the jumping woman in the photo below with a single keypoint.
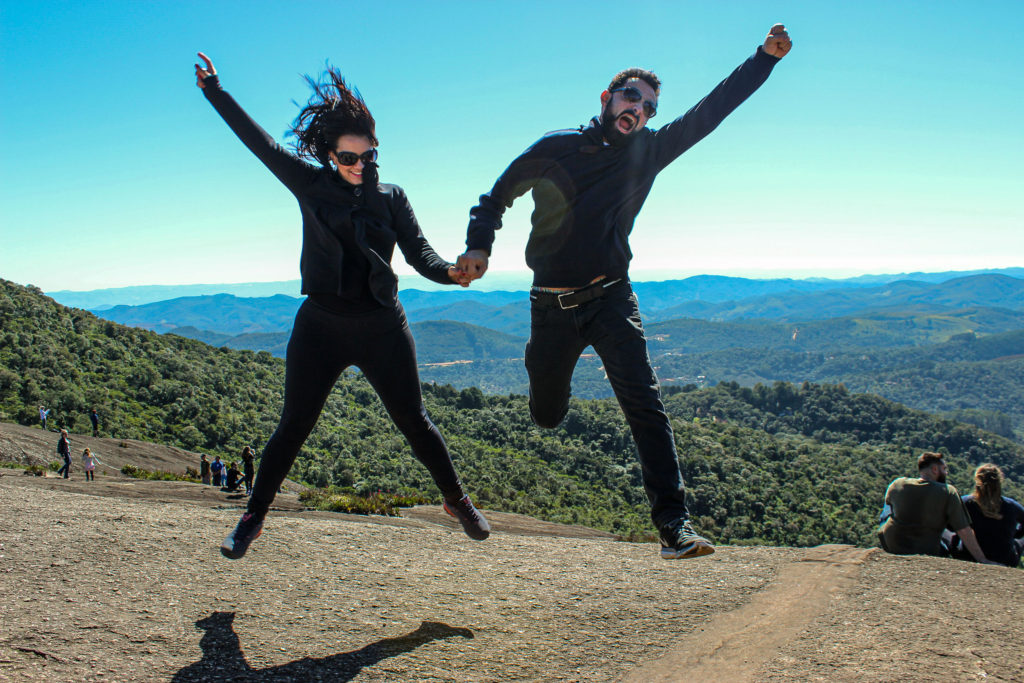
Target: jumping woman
[{"x": 351, "y": 315}]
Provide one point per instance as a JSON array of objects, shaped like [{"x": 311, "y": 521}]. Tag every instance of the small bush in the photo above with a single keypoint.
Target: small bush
[
  {"x": 139, "y": 473},
  {"x": 638, "y": 537},
  {"x": 334, "y": 499},
  {"x": 37, "y": 470}
]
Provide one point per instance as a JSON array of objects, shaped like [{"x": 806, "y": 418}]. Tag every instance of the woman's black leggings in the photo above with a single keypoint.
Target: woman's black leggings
[{"x": 323, "y": 343}]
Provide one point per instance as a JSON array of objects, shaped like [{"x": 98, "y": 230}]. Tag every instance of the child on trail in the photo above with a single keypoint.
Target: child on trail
[{"x": 89, "y": 463}]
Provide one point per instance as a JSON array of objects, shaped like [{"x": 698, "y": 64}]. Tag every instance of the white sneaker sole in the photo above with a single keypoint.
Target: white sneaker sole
[{"x": 698, "y": 549}]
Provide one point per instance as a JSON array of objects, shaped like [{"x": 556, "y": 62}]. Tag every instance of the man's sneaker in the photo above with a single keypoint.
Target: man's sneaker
[
  {"x": 248, "y": 529},
  {"x": 473, "y": 523},
  {"x": 680, "y": 542}
]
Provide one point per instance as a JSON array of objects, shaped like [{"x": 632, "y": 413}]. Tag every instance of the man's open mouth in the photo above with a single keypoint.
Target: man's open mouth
[{"x": 625, "y": 123}]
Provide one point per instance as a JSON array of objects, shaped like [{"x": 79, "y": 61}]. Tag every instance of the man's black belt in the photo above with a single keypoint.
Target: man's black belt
[{"x": 577, "y": 297}]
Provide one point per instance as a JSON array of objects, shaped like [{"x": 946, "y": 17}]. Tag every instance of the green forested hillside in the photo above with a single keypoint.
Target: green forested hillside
[
  {"x": 781, "y": 464},
  {"x": 965, "y": 373}
]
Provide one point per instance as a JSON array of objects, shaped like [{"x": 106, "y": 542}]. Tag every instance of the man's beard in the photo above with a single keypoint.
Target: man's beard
[
  {"x": 941, "y": 478},
  {"x": 611, "y": 132}
]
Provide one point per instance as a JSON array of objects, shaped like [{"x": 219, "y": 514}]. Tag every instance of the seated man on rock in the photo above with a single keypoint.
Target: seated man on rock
[{"x": 918, "y": 511}]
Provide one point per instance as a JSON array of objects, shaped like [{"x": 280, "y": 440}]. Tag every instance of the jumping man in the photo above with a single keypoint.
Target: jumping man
[{"x": 588, "y": 187}]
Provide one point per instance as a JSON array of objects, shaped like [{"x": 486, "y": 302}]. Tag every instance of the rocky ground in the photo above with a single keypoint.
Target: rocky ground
[{"x": 121, "y": 580}]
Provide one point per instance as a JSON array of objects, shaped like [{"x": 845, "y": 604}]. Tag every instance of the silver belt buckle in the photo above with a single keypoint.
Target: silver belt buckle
[{"x": 562, "y": 305}]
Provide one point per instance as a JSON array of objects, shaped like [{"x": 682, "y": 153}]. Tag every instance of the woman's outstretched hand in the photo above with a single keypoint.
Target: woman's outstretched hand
[{"x": 202, "y": 73}]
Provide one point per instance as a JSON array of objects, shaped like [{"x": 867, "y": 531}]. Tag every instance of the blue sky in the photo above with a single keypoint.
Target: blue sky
[{"x": 889, "y": 140}]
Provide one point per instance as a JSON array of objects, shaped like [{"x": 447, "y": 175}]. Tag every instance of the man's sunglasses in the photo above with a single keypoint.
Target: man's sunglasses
[
  {"x": 633, "y": 95},
  {"x": 351, "y": 158}
]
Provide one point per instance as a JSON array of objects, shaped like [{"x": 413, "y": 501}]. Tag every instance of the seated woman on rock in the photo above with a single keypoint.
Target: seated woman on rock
[{"x": 998, "y": 521}]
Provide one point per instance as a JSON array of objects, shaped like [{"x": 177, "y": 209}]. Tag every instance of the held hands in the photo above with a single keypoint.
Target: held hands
[
  {"x": 202, "y": 73},
  {"x": 458, "y": 277},
  {"x": 472, "y": 265},
  {"x": 777, "y": 44}
]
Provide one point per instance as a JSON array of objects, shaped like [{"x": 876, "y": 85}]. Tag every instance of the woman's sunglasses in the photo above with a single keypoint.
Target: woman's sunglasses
[
  {"x": 351, "y": 158},
  {"x": 631, "y": 94}
]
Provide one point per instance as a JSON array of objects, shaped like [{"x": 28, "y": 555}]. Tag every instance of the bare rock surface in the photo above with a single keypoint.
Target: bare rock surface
[{"x": 121, "y": 580}]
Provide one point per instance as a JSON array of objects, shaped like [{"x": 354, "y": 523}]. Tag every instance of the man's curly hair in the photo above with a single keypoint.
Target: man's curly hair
[{"x": 636, "y": 72}]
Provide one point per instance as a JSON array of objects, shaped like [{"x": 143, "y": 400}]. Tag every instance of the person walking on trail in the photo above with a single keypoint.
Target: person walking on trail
[
  {"x": 248, "y": 468},
  {"x": 64, "y": 450},
  {"x": 918, "y": 511},
  {"x": 351, "y": 224},
  {"x": 217, "y": 469},
  {"x": 204, "y": 469},
  {"x": 43, "y": 414},
  {"x": 89, "y": 462},
  {"x": 588, "y": 187},
  {"x": 95, "y": 419},
  {"x": 997, "y": 521}
]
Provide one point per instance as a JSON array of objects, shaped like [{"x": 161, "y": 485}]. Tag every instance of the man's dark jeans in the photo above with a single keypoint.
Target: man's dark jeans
[
  {"x": 66, "y": 469},
  {"x": 612, "y": 326}
]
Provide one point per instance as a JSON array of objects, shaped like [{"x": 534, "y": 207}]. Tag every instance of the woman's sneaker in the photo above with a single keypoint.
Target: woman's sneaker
[
  {"x": 473, "y": 523},
  {"x": 248, "y": 529},
  {"x": 681, "y": 542}
]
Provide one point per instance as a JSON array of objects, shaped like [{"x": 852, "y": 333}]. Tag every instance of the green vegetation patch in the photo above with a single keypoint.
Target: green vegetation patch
[
  {"x": 157, "y": 475},
  {"x": 338, "y": 499},
  {"x": 782, "y": 464}
]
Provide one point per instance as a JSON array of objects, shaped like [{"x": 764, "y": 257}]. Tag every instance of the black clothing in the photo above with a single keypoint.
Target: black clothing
[
  {"x": 248, "y": 471},
  {"x": 64, "y": 450},
  {"x": 352, "y": 315},
  {"x": 324, "y": 343},
  {"x": 996, "y": 536},
  {"x": 612, "y": 326},
  {"x": 231, "y": 482},
  {"x": 349, "y": 232},
  {"x": 588, "y": 194}
]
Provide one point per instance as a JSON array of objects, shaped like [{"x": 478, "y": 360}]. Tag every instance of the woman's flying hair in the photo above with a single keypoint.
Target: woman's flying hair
[
  {"x": 333, "y": 110},
  {"x": 988, "y": 489}
]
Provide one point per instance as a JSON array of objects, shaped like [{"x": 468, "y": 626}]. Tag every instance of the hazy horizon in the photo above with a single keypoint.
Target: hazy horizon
[{"x": 505, "y": 280}]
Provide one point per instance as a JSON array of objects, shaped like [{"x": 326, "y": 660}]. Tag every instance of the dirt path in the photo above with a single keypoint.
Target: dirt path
[{"x": 735, "y": 646}]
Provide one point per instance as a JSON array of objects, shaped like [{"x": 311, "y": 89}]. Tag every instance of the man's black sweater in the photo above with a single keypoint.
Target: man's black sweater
[
  {"x": 335, "y": 213},
  {"x": 587, "y": 194}
]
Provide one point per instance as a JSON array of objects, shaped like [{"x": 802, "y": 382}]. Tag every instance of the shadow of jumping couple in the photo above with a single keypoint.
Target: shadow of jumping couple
[{"x": 223, "y": 659}]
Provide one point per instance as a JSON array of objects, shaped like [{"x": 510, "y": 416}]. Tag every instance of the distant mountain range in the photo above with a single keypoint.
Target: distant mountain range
[
  {"x": 508, "y": 311},
  {"x": 904, "y": 340},
  {"x": 702, "y": 287}
]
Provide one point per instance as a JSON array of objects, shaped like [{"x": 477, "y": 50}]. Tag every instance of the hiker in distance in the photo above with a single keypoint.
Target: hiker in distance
[
  {"x": 588, "y": 187},
  {"x": 351, "y": 316}
]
